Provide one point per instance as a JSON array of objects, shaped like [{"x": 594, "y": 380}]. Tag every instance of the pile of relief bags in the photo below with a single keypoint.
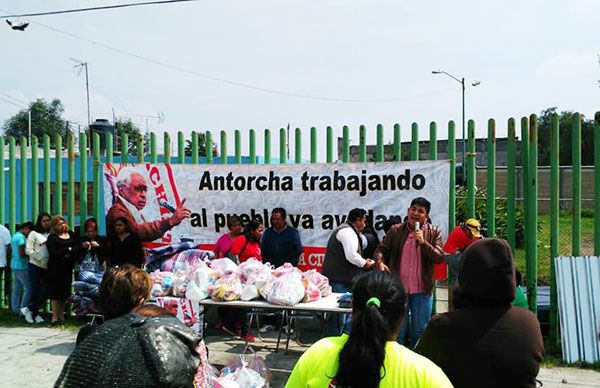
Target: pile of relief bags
[{"x": 181, "y": 270}]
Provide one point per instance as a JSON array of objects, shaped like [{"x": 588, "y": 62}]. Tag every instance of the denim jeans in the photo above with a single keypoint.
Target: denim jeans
[
  {"x": 453, "y": 262},
  {"x": 37, "y": 286},
  {"x": 337, "y": 324},
  {"x": 21, "y": 292},
  {"x": 417, "y": 315}
]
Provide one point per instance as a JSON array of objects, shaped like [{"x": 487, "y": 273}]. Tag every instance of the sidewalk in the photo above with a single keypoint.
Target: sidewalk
[{"x": 33, "y": 356}]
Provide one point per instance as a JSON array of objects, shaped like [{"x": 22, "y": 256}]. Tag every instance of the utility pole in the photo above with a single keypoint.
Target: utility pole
[{"x": 82, "y": 65}]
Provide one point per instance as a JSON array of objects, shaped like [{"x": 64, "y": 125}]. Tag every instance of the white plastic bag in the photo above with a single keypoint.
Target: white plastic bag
[
  {"x": 225, "y": 265},
  {"x": 227, "y": 288},
  {"x": 249, "y": 292},
  {"x": 201, "y": 280},
  {"x": 286, "y": 289}
]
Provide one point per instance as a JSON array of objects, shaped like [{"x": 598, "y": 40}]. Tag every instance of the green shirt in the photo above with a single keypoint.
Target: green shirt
[
  {"x": 403, "y": 367},
  {"x": 520, "y": 299}
]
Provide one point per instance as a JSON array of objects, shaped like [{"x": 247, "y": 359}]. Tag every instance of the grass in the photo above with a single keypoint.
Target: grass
[
  {"x": 8, "y": 319},
  {"x": 565, "y": 244},
  {"x": 553, "y": 359}
]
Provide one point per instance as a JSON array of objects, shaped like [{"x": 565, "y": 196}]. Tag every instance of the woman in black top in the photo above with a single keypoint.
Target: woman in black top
[
  {"x": 125, "y": 246},
  {"x": 63, "y": 249}
]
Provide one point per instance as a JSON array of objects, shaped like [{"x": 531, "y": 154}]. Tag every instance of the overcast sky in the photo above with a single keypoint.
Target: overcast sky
[{"x": 376, "y": 56}]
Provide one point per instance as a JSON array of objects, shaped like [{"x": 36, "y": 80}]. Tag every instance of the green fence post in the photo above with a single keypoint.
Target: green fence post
[
  {"x": 96, "y": 171},
  {"x": 380, "y": 148},
  {"x": 397, "y": 143},
  {"x": 577, "y": 185},
  {"x": 35, "y": 187},
  {"x": 252, "y": 145},
  {"x": 180, "y": 148},
  {"x": 298, "y": 146},
  {"x": 167, "y": 148},
  {"x": 124, "y": 147},
  {"x": 58, "y": 189},
  {"x": 525, "y": 180},
  {"x": 71, "y": 181},
  {"x": 282, "y": 146},
  {"x": 362, "y": 144},
  {"x": 153, "y": 149},
  {"x": 471, "y": 155},
  {"x": 23, "y": 188},
  {"x": 267, "y": 146},
  {"x": 330, "y": 144},
  {"x": 491, "y": 179},
  {"x": 83, "y": 186},
  {"x": 194, "y": 150},
  {"x": 596, "y": 185},
  {"x": 2, "y": 196},
  {"x": 345, "y": 145},
  {"x": 554, "y": 223},
  {"x": 432, "y": 141},
  {"x": 12, "y": 186},
  {"x": 511, "y": 166},
  {"x": 452, "y": 188},
  {"x": 238, "y": 146},
  {"x": 110, "y": 151},
  {"x": 47, "y": 177},
  {"x": 209, "y": 147},
  {"x": 414, "y": 142},
  {"x": 223, "y": 147},
  {"x": 141, "y": 145},
  {"x": 531, "y": 261},
  {"x": 313, "y": 145}
]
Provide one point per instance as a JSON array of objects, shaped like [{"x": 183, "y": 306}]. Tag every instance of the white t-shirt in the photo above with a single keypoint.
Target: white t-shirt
[{"x": 4, "y": 241}]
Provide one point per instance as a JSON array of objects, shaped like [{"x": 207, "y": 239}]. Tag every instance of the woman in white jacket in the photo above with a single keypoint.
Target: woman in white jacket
[{"x": 36, "y": 249}]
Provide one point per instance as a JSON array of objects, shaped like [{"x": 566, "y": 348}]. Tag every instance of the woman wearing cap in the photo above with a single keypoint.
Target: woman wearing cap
[
  {"x": 369, "y": 356},
  {"x": 458, "y": 240},
  {"x": 485, "y": 342}
]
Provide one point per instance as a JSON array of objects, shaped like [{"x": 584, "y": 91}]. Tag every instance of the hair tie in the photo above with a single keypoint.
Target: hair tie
[{"x": 374, "y": 301}]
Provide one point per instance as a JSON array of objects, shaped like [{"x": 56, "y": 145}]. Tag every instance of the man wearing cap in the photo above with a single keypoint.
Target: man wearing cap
[{"x": 458, "y": 240}]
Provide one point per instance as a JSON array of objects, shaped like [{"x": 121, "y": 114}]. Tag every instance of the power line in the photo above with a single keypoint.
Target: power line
[
  {"x": 11, "y": 102},
  {"x": 93, "y": 8},
  {"x": 14, "y": 98},
  {"x": 234, "y": 83}
]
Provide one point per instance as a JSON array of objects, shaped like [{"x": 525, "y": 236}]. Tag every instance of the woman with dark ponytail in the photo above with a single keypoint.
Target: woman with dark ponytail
[{"x": 369, "y": 356}]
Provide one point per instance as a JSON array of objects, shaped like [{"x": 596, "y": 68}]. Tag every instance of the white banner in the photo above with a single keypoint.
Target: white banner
[{"x": 317, "y": 197}]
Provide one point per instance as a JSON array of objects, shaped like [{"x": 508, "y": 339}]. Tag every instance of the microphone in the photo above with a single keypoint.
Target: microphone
[
  {"x": 166, "y": 205},
  {"x": 417, "y": 227}
]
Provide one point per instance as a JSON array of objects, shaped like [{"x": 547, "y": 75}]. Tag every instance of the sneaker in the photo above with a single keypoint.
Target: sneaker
[
  {"x": 27, "y": 314},
  {"x": 248, "y": 337},
  {"x": 38, "y": 319},
  {"x": 266, "y": 328}
]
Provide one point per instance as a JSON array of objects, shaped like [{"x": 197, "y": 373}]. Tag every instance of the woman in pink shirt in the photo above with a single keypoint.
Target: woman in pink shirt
[
  {"x": 247, "y": 245},
  {"x": 225, "y": 242}
]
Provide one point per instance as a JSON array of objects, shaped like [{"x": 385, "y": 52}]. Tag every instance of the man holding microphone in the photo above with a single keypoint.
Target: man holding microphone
[{"x": 410, "y": 250}]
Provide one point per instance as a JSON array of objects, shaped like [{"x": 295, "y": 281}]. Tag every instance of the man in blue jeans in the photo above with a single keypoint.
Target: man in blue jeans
[
  {"x": 410, "y": 250},
  {"x": 343, "y": 261}
]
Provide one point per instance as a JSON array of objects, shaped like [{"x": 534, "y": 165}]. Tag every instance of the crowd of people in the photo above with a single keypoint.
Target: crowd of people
[
  {"x": 39, "y": 261},
  {"x": 390, "y": 339}
]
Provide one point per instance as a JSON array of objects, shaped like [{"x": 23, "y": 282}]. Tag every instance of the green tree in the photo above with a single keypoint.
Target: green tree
[
  {"x": 566, "y": 121},
  {"x": 46, "y": 119},
  {"x": 133, "y": 133},
  {"x": 201, "y": 146}
]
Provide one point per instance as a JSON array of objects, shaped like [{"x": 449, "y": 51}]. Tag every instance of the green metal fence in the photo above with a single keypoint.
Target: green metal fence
[{"x": 65, "y": 147}]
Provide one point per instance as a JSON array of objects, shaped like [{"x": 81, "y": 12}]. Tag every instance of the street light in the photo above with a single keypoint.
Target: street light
[{"x": 462, "y": 83}]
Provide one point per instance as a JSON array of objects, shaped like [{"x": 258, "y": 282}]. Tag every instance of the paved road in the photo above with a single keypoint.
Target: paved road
[{"x": 33, "y": 357}]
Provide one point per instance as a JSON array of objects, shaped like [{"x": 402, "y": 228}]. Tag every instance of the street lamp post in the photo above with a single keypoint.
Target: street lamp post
[{"x": 461, "y": 81}]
